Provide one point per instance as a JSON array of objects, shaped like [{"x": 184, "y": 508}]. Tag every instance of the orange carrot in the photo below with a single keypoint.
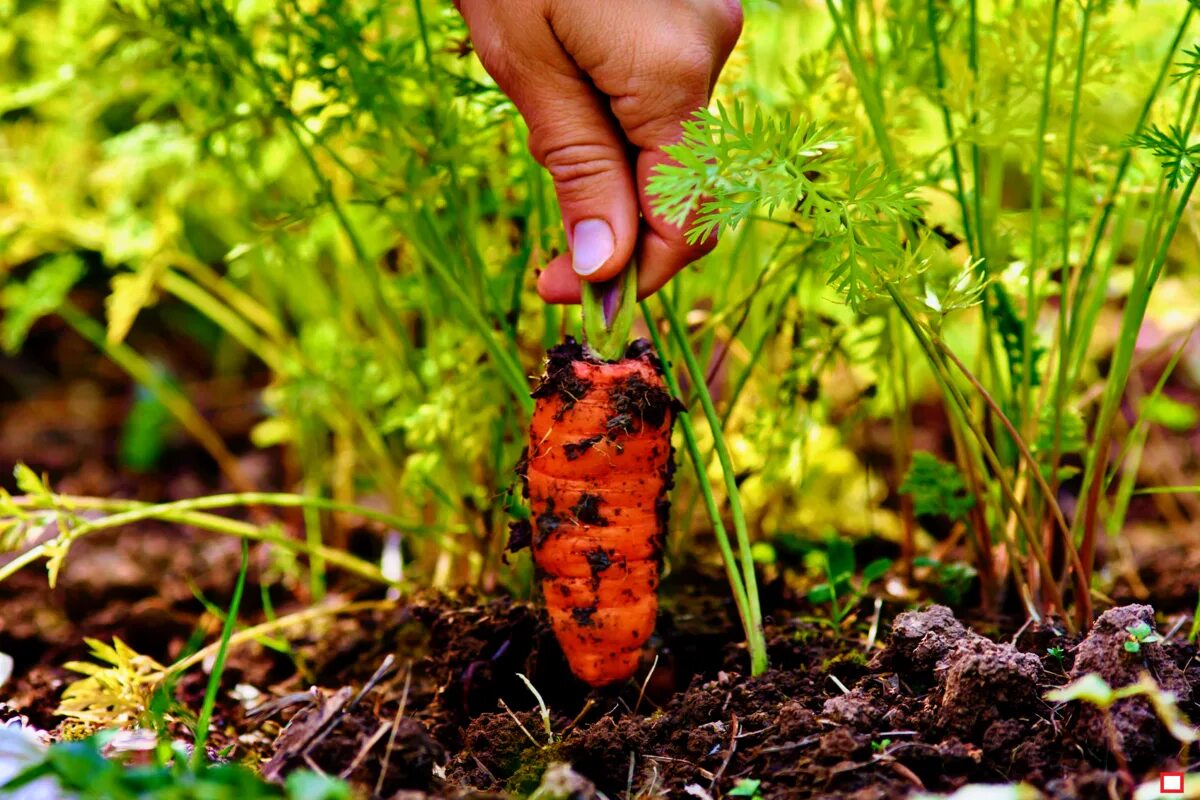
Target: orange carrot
[{"x": 597, "y": 473}]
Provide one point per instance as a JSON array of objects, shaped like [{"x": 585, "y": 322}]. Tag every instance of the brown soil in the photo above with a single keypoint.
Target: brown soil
[{"x": 935, "y": 707}]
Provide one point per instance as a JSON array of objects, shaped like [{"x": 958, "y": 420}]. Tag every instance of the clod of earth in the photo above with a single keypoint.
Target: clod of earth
[
  {"x": 597, "y": 472},
  {"x": 1138, "y": 729},
  {"x": 975, "y": 681}
]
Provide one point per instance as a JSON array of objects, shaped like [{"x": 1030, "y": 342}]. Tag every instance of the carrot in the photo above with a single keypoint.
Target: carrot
[{"x": 597, "y": 472}]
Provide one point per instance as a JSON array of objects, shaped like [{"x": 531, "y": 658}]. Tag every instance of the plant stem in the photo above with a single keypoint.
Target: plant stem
[
  {"x": 608, "y": 309},
  {"x": 1084, "y": 597},
  {"x": 867, "y": 88},
  {"x": 745, "y": 586},
  {"x": 948, "y": 126},
  {"x": 1029, "y": 418},
  {"x": 1110, "y": 198},
  {"x": 962, "y": 409},
  {"x": 1194, "y": 633},
  {"x": 1118, "y": 376},
  {"x": 214, "y": 677},
  {"x": 184, "y": 512},
  {"x": 706, "y": 491},
  {"x": 1058, "y": 398}
]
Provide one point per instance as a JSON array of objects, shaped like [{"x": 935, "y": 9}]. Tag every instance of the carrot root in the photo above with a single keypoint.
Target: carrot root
[{"x": 597, "y": 473}]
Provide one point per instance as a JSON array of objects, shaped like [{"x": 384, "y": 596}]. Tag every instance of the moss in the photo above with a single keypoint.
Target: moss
[
  {"x": 532, "y": 764},
  {"x": 852, "y": 657}
]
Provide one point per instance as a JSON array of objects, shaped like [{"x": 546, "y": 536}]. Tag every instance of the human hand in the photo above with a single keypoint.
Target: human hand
[{"x": 603, "y": 85}]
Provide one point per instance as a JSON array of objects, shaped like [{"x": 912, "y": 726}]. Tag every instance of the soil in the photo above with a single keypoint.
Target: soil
[{"x": 427, "y": 693}]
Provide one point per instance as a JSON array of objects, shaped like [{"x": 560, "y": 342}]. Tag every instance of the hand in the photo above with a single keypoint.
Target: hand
[{"x": 603, "y": 85}]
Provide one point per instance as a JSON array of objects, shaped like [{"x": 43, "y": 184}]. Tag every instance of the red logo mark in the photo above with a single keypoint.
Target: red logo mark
[{"x": 1170, "y": 783}]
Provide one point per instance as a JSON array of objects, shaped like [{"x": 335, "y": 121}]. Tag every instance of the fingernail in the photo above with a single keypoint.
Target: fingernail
[{"x": 593, "y": 245}]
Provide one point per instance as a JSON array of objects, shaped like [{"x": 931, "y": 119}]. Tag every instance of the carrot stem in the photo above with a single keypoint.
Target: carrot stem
[
  {"x": 608, "y": 313},
  {"x": 745, "y": 584}
]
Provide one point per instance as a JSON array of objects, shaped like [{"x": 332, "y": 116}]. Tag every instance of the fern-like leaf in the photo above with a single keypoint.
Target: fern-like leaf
[
  {"x": 729, "y": 166},
  {"x": 1172, "y": 150}
]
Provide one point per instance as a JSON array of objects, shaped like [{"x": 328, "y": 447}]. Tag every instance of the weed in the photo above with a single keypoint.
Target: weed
[
  {"x": 746, "y": 787},
  {"x": 839, "y": 590},
  {"x": 1140, "y": 635}
]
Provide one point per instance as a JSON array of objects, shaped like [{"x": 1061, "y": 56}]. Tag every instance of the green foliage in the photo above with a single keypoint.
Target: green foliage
[
  {"x": 218, "y": 668},
  {"x": 338, "y": 191},
  {"x": 937, "y": 488},
  {"x": 1140, "y": 634},
  {"x": 143, "y": 435},
  {"x": 1190, "y": 67},
  {"x": 1072, "y": 431},
  {"x": 1093, "y": 689},
  {"x": 954, "y": 578},
  {"x": 116, "y": 691},
  {"x": 1171, "y": 147},
  {"x": 727, "y": 167},
  {"x": 82, "y": 771},
  {"x": 746, "y": 787},
  {"x": 839, "y": 590},
  {"x": 1171, "y": 414},
  {"x": 24, "y": 303}
]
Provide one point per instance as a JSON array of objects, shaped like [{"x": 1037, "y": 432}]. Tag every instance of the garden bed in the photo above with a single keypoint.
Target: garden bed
[{"x": 930, "y": 707}]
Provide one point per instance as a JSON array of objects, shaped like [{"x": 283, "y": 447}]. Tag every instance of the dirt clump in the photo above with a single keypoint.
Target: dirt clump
[
  {"x": 975, "y": 681},
  {"x": 980, "y": 681},
  {"x": 1103, "y": 652},
  {"x": 920, "y": 639}
]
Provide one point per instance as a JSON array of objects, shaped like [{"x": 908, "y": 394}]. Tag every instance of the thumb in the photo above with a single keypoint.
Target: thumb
[{"x": 574, "y": 136}]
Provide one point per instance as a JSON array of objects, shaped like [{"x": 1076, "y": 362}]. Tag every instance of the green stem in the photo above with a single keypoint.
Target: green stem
[
  {"x": 757, "y": 642},
  {"x": 1130, "y": 457},
  {"x": 1118, "y": 376},
  {"x": 1084, "y": 597},
  {"x": 1060, "y": 383},
  {"x": 1194, "y": 633},
  {"x": 948, "y": 127},
  {"x": 241, "y": 499},
  {"x": 976, "y": 154},
  {"x": 960, "y": 408},
  {"x": 1110, "y": 198},
  {"x": 214, "y": 677},
  {"x": 706, "y": 490},
  {"x": 608, "y": 313},
  {"x": 184, "y": 512},
  {"x": 867, "y": 89},
  {"x": 1035, "y": 220}
]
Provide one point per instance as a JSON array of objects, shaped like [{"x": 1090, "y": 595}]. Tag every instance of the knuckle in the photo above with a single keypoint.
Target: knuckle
[{"x": 575, "y": 164}]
